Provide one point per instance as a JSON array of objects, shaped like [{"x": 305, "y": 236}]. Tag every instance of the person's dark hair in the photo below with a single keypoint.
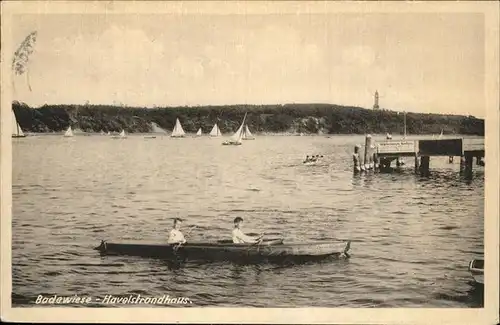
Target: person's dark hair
[
  {"x": 176, "y": 220},
  {"x": 238, "y": 219}
]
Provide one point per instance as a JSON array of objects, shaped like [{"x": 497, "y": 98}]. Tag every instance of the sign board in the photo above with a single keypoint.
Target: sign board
[
  {"x": 473, "y": 144},
  {"x": 440, "y": 147},
  {"x": 403, "y": 146}
]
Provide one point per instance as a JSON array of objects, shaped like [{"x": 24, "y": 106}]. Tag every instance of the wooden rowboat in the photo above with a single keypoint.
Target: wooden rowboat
[
  {"x": 476, "y": 268},
  {"x": 273, "y": 251}
]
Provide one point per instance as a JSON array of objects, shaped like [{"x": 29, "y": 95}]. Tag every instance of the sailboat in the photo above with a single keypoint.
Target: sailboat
[
  {"x": 69, "y": 132},
  {"x": 178, "y": 132},
  {"x": 17, "y": 132},
  {"x": 198, "y": 134},
  {"x": 122, "y": 135},
  {"x": 388, "y": 136},
  {"x": 235, "y": 139},
  {"x": 441, "y": 135},
  {"x": 246, "y": 134},
  {"x": 215, "y": 131}
]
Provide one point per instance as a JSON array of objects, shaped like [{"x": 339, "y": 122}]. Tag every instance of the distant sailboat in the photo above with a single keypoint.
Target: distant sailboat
[
  {"x": 178, "y": 132},
  {"x": 69, "y": 132},
  {"x": 441, "y": 135},
  {"x": 17, "y": 132},
  {"x": 235, "y": 139},
  {"x": 247, "y": 135},
  {"x": 388, "y": 136},
  {"x": 122, "y": 135},
  {"x": 215, "y": 131},
  {"x": 198, "y": 134}
]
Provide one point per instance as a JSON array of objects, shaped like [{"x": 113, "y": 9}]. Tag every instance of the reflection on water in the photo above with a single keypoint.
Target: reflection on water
[{"x": 412, "y": 237}]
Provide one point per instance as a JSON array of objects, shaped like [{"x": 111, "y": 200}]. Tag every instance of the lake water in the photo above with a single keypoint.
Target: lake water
[{"x": 412, "y": 237}]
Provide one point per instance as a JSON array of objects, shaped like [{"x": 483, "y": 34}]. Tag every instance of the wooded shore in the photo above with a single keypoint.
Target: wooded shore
[{"x": 288, "y": 119}]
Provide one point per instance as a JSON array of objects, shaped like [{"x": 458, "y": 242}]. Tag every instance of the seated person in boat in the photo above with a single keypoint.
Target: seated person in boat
[
  {"x": 176, "y": 236},
  {"x": 239, "y": 237}
]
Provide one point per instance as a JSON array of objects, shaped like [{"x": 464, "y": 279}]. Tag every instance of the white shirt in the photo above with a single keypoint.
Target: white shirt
[
  {"x": 176, "y": 237},
  {"x": 240, "y": 238}
]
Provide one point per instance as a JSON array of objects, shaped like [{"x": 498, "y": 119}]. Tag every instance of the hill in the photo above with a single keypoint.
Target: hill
[{"x": 290, "y": 118}]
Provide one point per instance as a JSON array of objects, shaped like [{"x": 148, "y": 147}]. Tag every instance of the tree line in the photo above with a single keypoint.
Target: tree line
[{"x": 291, "y": 118}]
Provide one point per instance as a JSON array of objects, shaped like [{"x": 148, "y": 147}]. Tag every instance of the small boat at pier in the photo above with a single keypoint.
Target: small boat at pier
[
  {"x": 270, "y": 251},
  {"x": 476, "y": 269}
]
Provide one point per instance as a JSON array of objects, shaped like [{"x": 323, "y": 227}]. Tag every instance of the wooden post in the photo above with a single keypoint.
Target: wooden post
[
  {"x": 416, "y": 164},
  {"x": 462, "y": 164},
  {"x": 356, "y": 159},
  {"x": 368, "y": 157},
  {"x": 478, "y": 161},
  {"x": 468, "y": 165},
  {"x": 424, "y": 165},
  {"x": 376, "y": 161}
]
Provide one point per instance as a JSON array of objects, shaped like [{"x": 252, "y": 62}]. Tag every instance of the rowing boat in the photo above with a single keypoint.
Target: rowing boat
[
  {"x": 273, "y": 251},
  {"x": 476, "y": 268}
]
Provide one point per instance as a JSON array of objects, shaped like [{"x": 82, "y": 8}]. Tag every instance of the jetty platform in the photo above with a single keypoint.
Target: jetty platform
[
  {"x": 380, "y": 155},
  {"x": 422, "y": 149}
]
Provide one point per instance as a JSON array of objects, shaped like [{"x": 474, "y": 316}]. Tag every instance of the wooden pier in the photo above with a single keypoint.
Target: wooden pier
[
  {"x": 422, "y": 149},
  {"x": 380, "y": 156}
]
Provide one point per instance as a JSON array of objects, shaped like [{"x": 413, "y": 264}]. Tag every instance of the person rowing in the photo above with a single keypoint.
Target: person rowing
[
  {"x": 176, "y": 236},
  {"x": 239, "y": 237}
]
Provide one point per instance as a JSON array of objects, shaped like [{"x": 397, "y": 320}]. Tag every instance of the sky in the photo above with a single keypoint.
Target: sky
[{"x": 419, "y": 62}]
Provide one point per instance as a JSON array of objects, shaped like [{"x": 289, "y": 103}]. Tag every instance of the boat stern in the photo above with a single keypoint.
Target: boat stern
[
  {"x": 476, "y": 269},
  {"x": 101, "y": 247}
]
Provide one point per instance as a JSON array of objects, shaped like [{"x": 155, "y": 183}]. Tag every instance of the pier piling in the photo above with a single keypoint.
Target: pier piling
[
  {"x": 424, "y": 165},
  {"x": 368, "y": 156},
  {"x": 468, "y": 165},
  {"x": 417, "y": 165}
]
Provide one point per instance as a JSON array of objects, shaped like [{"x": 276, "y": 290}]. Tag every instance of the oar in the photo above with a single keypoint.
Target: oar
[{"x": 187, "y": 234}]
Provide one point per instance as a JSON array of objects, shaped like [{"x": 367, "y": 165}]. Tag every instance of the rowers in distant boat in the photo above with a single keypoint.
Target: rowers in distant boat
[
  {"x": 239, "y": 237},
  {"x": 312, "y": 159}
]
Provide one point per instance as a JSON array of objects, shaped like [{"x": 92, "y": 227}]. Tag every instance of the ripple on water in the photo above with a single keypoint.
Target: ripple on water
[{"x": 411, "y": 237}]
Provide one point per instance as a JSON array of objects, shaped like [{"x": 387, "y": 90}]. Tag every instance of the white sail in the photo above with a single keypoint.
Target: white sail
[
  {"x": 199, "y": 132},
  {"x": 237, "y": 136},
  {"x": 69, "y": 132},
  {"x": 441, "y": 135},
  {"x": 247, "y": 131},
  {"x": 122, "y": 134},
  {"x": 177, "y": 132},
  {"x": 247, "y": 135},
  {"x": 16, "y": 129},
  {"x": 215, "y": 131}
]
